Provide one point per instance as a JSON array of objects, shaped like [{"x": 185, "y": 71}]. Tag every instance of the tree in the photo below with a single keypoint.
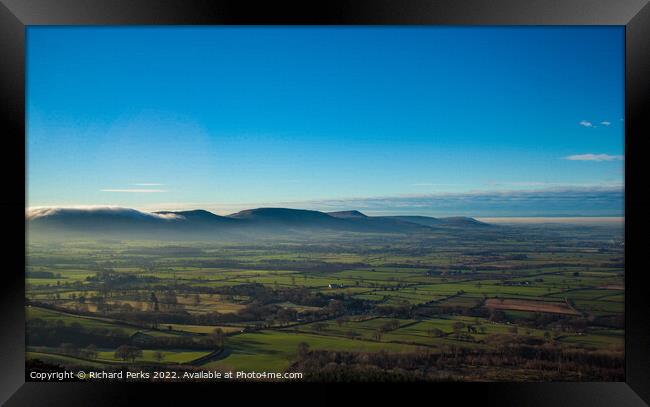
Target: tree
[
  {"x": 303, "y": 350},
  {"x": 352, "y": 334},
  {"x": 158, "y": 356},
  {"x": 319, "y": 326},
  {"x": 134, "y": 354},
  {"x": 126, "y": 352},
  {"x": 91, "y": 351},
  {"x": 286, "y": 315},
  {"x": 68, "y": 349},
  {"x": 218, "y": 337},
  {"x": 378, "y": 335},
  {"x": 169, "y": 298},
  {"x": 77, "y": 327},
  {"x": 497, "y": 316},
  {"x": 154, "y": 301},
  {"x": 458, "y": 326},
  {"x": 437, "y": 332},
  {"x": 336, "y": 307}
]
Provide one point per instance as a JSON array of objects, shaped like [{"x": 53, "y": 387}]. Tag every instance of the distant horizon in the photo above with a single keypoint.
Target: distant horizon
[
  {"x": 605, "y": 202},
  {"x": 573, "y": 219}
]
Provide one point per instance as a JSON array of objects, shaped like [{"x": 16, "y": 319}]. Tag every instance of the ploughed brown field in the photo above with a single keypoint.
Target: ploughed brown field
[{"x": 530, "y": 305}]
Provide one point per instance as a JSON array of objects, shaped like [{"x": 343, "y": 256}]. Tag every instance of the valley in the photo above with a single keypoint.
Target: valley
[{"x": 438, "y": 302}]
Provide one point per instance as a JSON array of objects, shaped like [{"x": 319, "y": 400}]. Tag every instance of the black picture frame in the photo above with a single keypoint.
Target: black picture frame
[{"x": 16, "y": 15}]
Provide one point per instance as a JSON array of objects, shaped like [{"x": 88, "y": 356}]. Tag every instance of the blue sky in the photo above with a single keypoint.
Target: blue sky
[{"x": 395, "y": 120}]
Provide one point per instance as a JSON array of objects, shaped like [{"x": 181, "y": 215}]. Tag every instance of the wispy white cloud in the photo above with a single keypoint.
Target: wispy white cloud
[
  {"x": 135, "y": 190},
  {"x": 434, "y": 184},
  {"x": 521, "y": 184},
  {"x": 594, "y": 157},
  {"x": 544, "y": 184},
  {"x": 45, "y": 211},
  {"x": 590, "y": 124}
]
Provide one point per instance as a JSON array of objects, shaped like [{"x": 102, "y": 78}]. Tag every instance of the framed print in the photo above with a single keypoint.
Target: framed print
[{"x": 223, "y": 196}]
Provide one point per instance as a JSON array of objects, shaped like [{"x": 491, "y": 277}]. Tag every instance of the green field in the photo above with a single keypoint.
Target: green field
[
  {"x": 274, "y": 351},
  {"x": 251, "y": 306}
]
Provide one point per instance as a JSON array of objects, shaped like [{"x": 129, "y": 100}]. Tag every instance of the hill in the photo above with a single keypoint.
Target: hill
[
  {"x": 459, "y": 221},
  {"x": 131, "y": 223}
]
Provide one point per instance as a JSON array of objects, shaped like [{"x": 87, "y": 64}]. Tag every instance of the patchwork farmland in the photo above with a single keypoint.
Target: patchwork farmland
[{"x": 499, "y": 303}]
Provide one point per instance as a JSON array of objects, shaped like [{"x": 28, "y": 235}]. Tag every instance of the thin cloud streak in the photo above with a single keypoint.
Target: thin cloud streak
[
  {"x": 594, "y": 157},
  {"x": 589, "y": 124},
  {"x": 135, "y": 190},
  {"x": 434, "y": 184}
]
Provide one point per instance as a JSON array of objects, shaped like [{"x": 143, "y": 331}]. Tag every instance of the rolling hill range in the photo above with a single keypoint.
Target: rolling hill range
[{"x": 131, "y": 223}]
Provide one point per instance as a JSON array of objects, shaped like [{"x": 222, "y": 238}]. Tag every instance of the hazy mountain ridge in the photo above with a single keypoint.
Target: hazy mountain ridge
[
  {"x": 430, "y": 221},
  {"x": 205, "y": 224},
  {"x": 348, "y": 214}
]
